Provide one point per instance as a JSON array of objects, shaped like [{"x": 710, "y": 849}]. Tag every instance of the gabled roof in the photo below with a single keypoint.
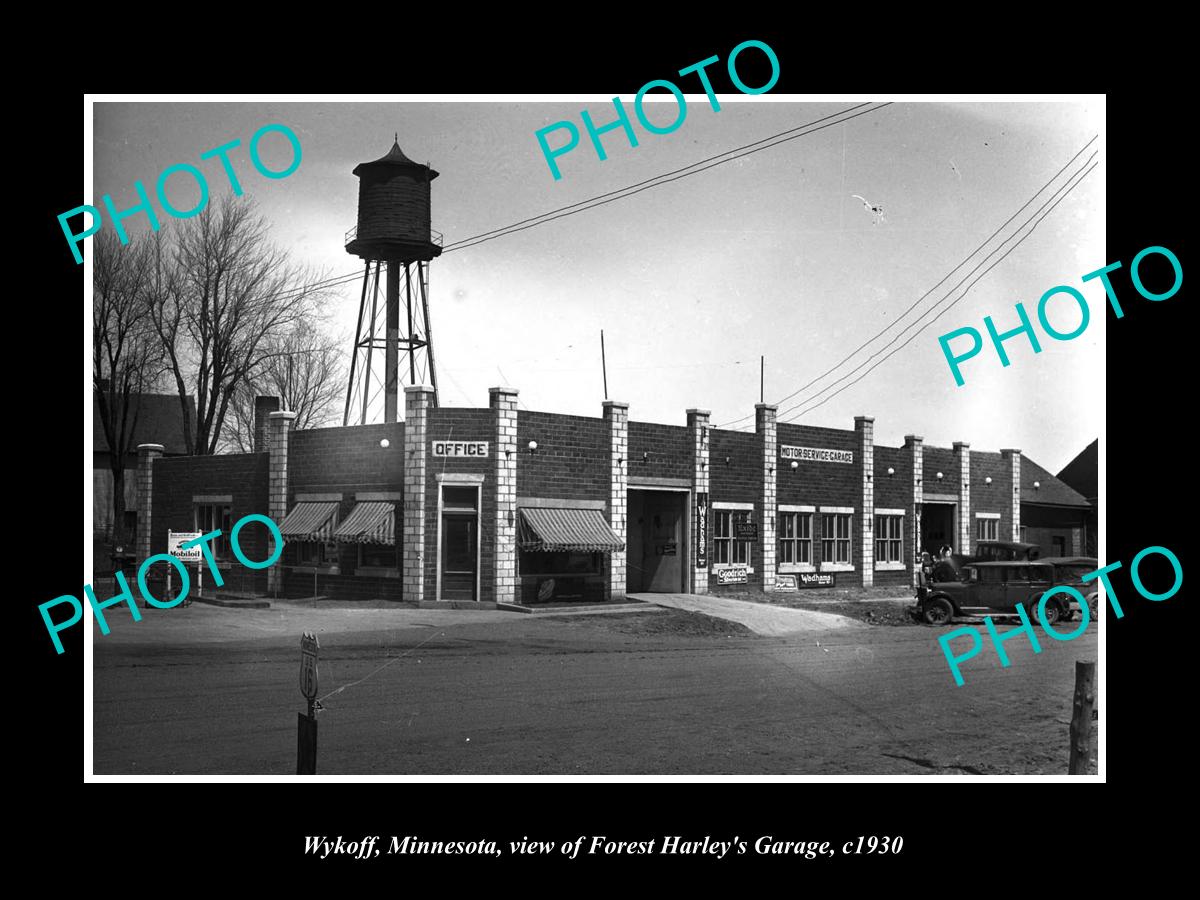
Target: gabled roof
[
  {"x": 1083, "y": 472},
  {"x": 1051, "y": 491},
  {"x": 159, "y": 421}
]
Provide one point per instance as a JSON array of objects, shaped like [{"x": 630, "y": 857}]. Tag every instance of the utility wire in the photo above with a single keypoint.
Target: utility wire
[
  {"x": 947, "y": 276},
  {"x": 1067, "y": 191},
  {"x": 657, "y": 183},
  {"x": 627, "y": 187}
]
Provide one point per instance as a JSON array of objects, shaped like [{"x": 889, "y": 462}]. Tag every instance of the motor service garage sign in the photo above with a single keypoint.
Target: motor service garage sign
[
  {"x": 476, "y": 449},
  {"x": 818, "y": 454}
]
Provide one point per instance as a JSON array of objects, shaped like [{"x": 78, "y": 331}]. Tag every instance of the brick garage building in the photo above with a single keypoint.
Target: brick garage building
[{"x": 500, "y": 505}]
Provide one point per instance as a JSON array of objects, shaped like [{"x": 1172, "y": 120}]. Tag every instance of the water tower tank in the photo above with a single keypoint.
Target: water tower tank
[{"x": 393, "y": 210}]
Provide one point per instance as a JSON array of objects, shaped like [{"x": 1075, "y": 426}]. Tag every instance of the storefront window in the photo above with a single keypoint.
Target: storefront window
[
  {"x": 726, "y": 549},
  {"x": 210, "y": 517},
  {"x": 571, "y": 563},
  {"x": 835, "y": 538},
  {"x": 795, "y": 538},
  {"x": 987, "y": 529},
  {"x": 888, "y": 539}
]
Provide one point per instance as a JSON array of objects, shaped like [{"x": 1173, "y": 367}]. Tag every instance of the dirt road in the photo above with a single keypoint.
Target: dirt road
[{"x": 593, "y": 695}]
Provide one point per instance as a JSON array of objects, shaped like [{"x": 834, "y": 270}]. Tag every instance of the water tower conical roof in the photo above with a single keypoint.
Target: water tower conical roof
[{"x": 394, "y": 157}]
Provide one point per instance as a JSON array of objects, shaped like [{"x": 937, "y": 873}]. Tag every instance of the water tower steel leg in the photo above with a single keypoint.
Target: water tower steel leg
[
  {"x": 392, "y": 353},
  {"x": 423, "y": 281},
  {"x": 362, "y": 308},
  {"x": 370, "y": 346},
  {"x": 412, "y": 344}
]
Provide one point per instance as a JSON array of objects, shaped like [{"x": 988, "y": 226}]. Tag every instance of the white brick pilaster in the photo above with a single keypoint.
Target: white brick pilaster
[
  {"x": 279, "y": 426},
  {"x": 699, "y": 429},
  {"x": 147, "y": 454},
  {"x": 966, "y": 522},
  {"x": 915, "y": 445},
  {"x": 764, "y": 427},
  {"x": 616, "y": 414},
  {"x": 417, "y": 400},
  {"x": 864, "y": 429},
  {"x": 1014, "y": 461},
  {"x": 504, "y": 410}
]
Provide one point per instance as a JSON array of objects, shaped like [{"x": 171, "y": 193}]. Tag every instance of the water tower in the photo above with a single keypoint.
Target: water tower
[{"x": 393, "y": 231}]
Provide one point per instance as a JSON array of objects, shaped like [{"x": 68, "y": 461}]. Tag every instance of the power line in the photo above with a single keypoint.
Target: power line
[
  {"x": 658, "y": 183},
  {"x": 627, "y": 191},
  {"x": 944, "y": 279},
  {"x": 1068, "y": 190},
  {"x": 627, "y": 187}
]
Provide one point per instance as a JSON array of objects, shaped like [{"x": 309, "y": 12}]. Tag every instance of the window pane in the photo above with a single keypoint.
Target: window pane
[{"x": 806, "y": 525}]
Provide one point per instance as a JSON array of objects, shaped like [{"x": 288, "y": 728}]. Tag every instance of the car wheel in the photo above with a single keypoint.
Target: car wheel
[
  {"x": 937, "y": 612},
  {"x": 1053, "y": 610}
]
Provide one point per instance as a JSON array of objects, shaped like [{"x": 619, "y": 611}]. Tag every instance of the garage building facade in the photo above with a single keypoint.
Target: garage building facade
[{"x": 501, "y": 505}]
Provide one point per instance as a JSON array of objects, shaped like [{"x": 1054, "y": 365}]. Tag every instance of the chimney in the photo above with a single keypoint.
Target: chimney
[{"x": 263, "y": 407}]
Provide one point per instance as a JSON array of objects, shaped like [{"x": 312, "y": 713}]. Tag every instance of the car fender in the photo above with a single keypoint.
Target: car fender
[{"x": 940, "y": 595}]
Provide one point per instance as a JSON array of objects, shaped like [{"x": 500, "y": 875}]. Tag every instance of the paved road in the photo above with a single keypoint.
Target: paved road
[
  {"x": 758, "y": 617},
  {"x": 525, "y": 695}
]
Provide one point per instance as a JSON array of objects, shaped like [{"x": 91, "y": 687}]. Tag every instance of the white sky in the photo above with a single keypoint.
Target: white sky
[{"x": 692, "y": 281}]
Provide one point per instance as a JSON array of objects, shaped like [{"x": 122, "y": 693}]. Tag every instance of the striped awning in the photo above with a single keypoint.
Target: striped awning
[
  {"x": 309, "y": 521},
  {"x": 561, "y": 530},
  {"x": 370, "y": 522}
]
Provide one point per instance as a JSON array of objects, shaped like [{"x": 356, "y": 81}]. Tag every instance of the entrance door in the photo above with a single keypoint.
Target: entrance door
[
  {"x": 937, "y": 528},
  {"x": 656, "y": 541},
  {"x": 460, "y": 543}
]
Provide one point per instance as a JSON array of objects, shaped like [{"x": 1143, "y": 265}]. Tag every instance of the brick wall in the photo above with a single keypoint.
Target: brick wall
[
  {"x": 669, "y": 448},
  {"x": 994, "y": 497},
  {"x": 243, "y": 476},
  {"x": 814, "y": 483},
  {"x": 940, "y": 459},
  {"x": 738, "y": 481},
  {"x": 572, "y": 459},
  {"x": 895, "y": 491}
]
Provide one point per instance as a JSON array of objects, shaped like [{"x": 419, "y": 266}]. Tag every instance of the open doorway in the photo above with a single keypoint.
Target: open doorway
[
  {"x": 937, "y": 528},
  {"x": 656, "y": 544}
]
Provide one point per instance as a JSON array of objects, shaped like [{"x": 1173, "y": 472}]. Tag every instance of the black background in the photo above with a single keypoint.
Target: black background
[{"x": 1011, "y": 828}]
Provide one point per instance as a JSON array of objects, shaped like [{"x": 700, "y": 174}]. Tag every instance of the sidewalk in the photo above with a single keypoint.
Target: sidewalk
[{"x": 758, "y": 617}]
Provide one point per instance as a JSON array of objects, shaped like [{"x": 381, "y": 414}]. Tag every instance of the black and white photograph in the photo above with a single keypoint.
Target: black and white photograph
[{"x": 707, "y": 431}]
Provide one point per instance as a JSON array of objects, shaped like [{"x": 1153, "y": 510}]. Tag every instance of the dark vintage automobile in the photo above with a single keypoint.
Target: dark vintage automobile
[
  {"x": 989, "y": 588},
  {"x": 951, "y": 568}
]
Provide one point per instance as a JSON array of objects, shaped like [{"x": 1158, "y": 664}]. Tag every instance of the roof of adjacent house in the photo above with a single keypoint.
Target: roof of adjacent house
[
  {"x": 1083, "y": 472},
  {"x": 159, "y": 421},
  {"x": 1051, "y": 491}
]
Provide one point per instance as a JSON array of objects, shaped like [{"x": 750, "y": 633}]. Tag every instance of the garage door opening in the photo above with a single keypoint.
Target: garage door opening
[
  {"x": 657, "y": 543},
  {"x": 937, "y": 528}
]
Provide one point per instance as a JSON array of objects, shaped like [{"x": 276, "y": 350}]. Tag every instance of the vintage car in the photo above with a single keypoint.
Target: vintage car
[
  {"x": 1071, "y": 569},
  {"x": 1002, "y": 551},
  {"x": 990, "y": 588}
]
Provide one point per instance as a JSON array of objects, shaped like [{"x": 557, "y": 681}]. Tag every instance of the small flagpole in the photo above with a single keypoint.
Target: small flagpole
[{"x": 604, "y": 363}]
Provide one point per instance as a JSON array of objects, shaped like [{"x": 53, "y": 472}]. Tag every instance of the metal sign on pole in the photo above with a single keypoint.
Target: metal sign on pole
[
  {"x": 175, "y": 542},
  {"x": 306, "y": 734}
]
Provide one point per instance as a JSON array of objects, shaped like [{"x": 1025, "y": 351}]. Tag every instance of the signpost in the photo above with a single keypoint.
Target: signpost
[
  {"x": 306, "y": 735},
  {"x": 175, "y": 542}
]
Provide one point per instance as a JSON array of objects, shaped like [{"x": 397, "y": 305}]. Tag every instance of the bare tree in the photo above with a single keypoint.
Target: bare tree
[
  {"x": 222, "y": 293},
  {"x": 126, "y": 353},
  {"x": 304, "y": 370}
]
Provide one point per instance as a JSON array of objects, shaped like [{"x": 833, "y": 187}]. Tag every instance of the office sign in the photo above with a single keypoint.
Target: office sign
[
  {"x": 476, "y": 449},
  {"x": 816, "y": 454},
  {"x": 785, "y": 582},
  {"x": 733, "y": 575},
  {"x": 815, "y": 579},
  {"x": 702, "y": 530}
]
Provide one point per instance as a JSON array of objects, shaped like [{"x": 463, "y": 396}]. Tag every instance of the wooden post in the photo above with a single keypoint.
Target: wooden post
[
  {"x": 306, "y": 743},
  {"x": 1081, "y": 717}
]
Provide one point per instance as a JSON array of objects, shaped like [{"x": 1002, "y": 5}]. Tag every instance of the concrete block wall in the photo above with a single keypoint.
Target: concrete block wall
[
  {"x": 279, "y": 426},
  {"x": 864, "y": 461},
  {"x": 818, "y": 483},
  {"x": 895, "y": 491},
  {"x": 572, "y": 459},
  {"x": 990, "y": 496}
]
